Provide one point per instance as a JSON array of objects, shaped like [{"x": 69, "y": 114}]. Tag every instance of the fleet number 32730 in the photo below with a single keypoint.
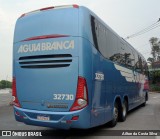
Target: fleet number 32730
[{"x": 63, "y": 96}]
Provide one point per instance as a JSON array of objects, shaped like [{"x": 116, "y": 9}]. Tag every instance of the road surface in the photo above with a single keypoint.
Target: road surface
[{"x": 141, "y": 118}]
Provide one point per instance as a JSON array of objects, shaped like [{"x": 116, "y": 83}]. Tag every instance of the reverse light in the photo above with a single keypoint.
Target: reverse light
[
  {"x": 14, "y": 94},
  {"x": 81, "y": 100}
]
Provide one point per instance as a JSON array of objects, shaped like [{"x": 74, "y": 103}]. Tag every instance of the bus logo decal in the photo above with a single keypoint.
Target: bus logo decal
[
  {"x": 46, "y": 46},
  {"x": 130, "y": 76},
  {"x": 99, "y": 76}
]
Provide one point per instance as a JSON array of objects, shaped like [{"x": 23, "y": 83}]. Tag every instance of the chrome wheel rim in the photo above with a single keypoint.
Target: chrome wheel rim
[
  {"x": 124, "y": 110},
  {"x": 115, "y": 113}
]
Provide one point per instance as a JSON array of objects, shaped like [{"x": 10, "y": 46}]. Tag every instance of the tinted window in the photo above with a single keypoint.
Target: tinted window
[
  {"x": 145, "y": 67},
  {"x": 114, "y": 48},
  {"x": 94, "y": 32},
  {"x": 138, "y": 63},
  {"x": 102, "y": 39},
  {"x": 111, "y": 46}
]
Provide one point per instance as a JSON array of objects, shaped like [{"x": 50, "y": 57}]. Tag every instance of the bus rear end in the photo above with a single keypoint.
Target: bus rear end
[{"x": 47, "y": 87}]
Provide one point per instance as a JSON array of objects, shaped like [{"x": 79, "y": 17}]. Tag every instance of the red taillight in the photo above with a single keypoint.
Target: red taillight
[
  {"x": 146, "y": 85},
  {"x": 75, "y": 118},
  {"x": 17, "y": 113},
  {"x": 22, "y": 15},
  {"x": 47, "y": 8},
  {"x": 81, "y": 100},
  {"x": 14, "y": 93},
  {"x": 45, "y": 37},
  {"x": 75, "y": 6}
]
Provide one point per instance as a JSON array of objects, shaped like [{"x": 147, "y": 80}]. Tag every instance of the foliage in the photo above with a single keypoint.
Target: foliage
[
  {"x": 150, "y": 60},
  {"x": 155, "y": 49},
  {"x": 5, "y": 84},
  {"x": 155, "y": 87},
  {"x": 155, "y": 76}
]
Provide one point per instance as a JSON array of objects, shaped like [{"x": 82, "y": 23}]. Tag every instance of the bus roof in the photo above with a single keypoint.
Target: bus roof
[{"x": 50, "y": 8}]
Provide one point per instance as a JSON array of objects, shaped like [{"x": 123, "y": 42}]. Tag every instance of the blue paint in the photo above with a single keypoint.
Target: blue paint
[{"x": 36, "y": 86}]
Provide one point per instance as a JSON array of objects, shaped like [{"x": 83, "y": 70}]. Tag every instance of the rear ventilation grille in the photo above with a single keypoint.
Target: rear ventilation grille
[{"x": 45, "y": 61}]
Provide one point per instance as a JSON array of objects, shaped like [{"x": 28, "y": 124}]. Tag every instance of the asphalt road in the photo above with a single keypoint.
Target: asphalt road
[{"x": 141, "y": 118}]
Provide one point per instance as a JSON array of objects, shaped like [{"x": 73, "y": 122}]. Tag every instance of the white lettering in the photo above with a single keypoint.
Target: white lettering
[
  {"x": 99, "y": 76},
  {"x": 46, "y": 46},
  {"x": 63, "y": 97},
  {"x": 72, "y": 44},
  {"x": 66, "y": 45},
  {"x": 43, "y": 47}
]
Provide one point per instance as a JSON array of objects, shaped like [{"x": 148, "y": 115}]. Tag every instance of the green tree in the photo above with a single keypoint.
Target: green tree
[
  {"x": 155, "y": 48},
  {"x": 1, "y": 85},
  {"x": 150, "y": 60},
  {"x": 155, "y": 51},
  {"x": 5, "y": 84}
]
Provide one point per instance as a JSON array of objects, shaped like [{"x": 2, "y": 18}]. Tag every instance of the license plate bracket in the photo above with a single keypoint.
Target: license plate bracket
[{"x": 43, "y": 118}]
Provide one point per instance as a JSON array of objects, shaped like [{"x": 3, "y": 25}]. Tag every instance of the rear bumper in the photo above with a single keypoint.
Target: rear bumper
[{"x": 59, "y": 120}]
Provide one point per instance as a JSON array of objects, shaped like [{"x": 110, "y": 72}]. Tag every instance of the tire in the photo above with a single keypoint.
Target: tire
[
  {"x": 123, "y": 111},
  {"x": 144, "y": 104},
  {"x": 114, "y": 121}
]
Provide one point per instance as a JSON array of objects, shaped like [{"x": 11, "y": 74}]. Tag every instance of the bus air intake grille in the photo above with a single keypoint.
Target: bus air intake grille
[{"x": 45, "y": 61}]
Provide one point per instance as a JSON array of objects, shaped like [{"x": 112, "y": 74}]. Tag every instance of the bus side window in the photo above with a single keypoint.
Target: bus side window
[
  {"x": 145, "y": 68},
  {"x": 124, "y": 55},
  {"x": 94, "y": 27},
  {"x": 129, "y": 58},
  {"x": 138, "y": 64},
  {"x": 102, "y": 40}
]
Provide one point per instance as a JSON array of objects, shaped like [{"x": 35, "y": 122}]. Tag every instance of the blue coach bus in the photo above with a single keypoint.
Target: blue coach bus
[{"x": 71, "y": 70}]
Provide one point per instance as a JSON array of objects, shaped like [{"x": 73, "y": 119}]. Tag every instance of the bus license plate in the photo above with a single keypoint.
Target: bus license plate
[{"x": 43, "y": 118}]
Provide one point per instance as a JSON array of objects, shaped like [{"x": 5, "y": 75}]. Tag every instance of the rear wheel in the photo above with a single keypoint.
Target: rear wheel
[
  {"x": 115, "y": 116},
  {"x": 146, "y": 98},
  {"x": 123, "y": 111},
  {"x": 144, "y": 104}
]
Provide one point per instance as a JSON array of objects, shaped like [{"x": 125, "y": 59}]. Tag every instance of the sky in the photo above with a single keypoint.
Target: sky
[{"x": 125, "y": 17}]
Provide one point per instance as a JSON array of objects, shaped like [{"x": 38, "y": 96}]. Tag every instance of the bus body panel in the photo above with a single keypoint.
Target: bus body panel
[
  {"x": 61, "y": 120},
  {"x": 73, "y": 44},
  {"x": 46, "y": 23},
  {"x": 119, "y": 81},
  {"x": 105, "y": 92},
  {"x": 53, "y": 87},
  {"x": 35, "y": 96}
]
